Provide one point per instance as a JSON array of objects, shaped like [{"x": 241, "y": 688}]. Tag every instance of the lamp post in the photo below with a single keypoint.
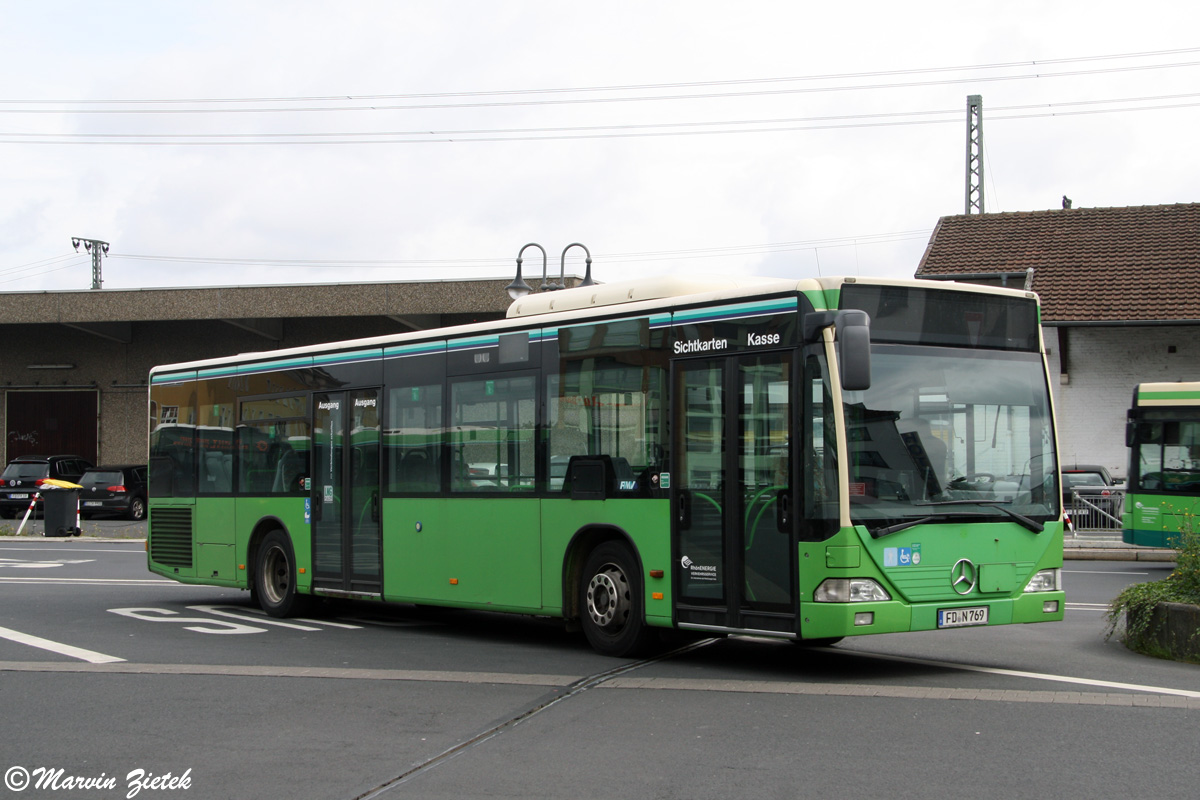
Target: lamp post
[
  {"x": 519, "y": 288},
  {"x": 587, "y": 277}
]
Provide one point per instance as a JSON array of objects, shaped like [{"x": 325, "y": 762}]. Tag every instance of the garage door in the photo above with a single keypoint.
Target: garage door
[{"x": 47, "y": 423}]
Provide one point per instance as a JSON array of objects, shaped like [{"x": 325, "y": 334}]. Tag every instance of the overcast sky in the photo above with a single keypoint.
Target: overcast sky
[{"x": 264, "y": 142}]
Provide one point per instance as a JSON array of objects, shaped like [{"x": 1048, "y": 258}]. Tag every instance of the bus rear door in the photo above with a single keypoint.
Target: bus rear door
[{"x": 345, "y": 493}]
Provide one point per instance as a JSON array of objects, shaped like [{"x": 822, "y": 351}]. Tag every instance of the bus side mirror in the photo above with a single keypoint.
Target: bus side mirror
[
  {"x": 854, "y": 351},
  {"x": 854, "y": 343},
  {"x": 1130, "y": 432}
]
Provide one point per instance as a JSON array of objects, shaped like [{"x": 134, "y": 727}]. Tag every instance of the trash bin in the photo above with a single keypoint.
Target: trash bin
[{"x": 60, "y": 511}]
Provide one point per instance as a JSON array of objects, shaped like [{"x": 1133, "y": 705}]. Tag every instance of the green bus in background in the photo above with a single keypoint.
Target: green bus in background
[
  {"x": 1163, "y": 436},
  {"x": 805, "y": 460}
]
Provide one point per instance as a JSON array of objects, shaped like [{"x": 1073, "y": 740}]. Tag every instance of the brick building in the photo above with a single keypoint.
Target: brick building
[{"x": 1120, "y": 290}]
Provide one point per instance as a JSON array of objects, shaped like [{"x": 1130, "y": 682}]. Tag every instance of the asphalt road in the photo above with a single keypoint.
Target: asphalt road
[{"x": 106, "y": 669}]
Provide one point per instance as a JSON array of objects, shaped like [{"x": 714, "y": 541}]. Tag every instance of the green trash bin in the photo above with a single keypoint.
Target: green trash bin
[{"x": 60, "y": 512}]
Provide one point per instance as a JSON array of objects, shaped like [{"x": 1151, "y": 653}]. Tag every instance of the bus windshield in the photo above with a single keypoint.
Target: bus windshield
[{"x": 948, "y": 433}]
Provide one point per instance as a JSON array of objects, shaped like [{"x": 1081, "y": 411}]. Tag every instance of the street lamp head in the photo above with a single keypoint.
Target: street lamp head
[{"x": 519, "y": 288}]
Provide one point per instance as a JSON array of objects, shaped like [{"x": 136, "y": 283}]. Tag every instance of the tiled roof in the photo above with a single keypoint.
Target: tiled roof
[{"x": 1135, "y": 264}]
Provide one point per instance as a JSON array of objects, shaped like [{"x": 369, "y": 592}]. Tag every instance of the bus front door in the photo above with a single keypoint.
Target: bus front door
[
  {"x": 345, "y": 493},
  {"x": 734, "y": 541}
]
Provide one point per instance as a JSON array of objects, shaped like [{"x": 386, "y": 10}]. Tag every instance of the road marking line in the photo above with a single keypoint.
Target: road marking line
[
  {"x": 258, "y": 613},
  {"x": 264, "y": 620},
  {"x": 1102, "y": 572},
  {"x": 95, "y": 581},
  {"x": 1017, "y": 673},
  {"x": 1165, "y": 699},
  {"x": 91, "y": 656}
]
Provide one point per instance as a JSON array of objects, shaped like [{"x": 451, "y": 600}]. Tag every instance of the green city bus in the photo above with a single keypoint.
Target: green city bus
[
  {"x": 800, "y": 459},
  {"x": 1162, "y": 432}
]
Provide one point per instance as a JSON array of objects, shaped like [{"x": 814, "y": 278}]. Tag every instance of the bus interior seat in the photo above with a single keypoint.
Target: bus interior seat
[{"x": 417, "y": 472}]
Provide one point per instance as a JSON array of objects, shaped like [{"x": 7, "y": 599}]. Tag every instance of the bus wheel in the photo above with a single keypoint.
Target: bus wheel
[
  {"x": 612, "y": 603},
  {"x": 275, "y": 576}
]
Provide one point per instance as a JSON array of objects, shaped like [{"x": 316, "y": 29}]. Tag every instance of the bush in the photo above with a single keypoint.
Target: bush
[{"x": 1136, "y": 604}]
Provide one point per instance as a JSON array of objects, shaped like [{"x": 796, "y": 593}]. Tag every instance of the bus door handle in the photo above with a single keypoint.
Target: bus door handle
[
  {"x": 683, "y": 510},
  {"x": 317, "y": 505},
  {"x": 783, "y": 511},
  {"x": 374, "y": 506}
]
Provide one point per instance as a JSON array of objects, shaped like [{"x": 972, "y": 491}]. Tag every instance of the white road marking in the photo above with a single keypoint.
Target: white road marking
[
  {"x": 90, "y": 656},
  {"x": 1016, "y": 673},
  {"x": 51, "y": 581},
  {"x": 201, "y": 625},
  {"x": 1101, "y": 572},
  {"x": 20, "y": 563},
  {"x": 258, "y": 613},
  {"x": 140, "y": 551},
  {"x": 216, "y": 610}
]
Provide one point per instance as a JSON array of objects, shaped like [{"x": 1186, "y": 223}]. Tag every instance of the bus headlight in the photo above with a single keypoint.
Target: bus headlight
[
  {"x": 849, "y": 590},
  {"x": 1048, "y": 580}
]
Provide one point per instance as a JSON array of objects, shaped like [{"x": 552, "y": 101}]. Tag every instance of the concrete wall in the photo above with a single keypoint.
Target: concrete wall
[
  {"x": 119, "y": 371},
  {"x": 1104, "y": 365}
]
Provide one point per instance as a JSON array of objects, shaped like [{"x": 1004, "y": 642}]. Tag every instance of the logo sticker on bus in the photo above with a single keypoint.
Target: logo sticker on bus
[{"x": 902, "y": 556}]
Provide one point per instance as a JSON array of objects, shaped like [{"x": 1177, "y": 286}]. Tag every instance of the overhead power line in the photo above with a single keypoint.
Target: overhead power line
[
  {"x": 617, "y": 131},
  {"x": 615, "y": 88},
  {"x": 493, "y": 263}
]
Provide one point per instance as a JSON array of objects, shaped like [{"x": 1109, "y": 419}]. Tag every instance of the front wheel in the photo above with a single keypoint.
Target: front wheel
[
  {"x": 275, "y": 577},
  {"x": 612, "y": 603}
]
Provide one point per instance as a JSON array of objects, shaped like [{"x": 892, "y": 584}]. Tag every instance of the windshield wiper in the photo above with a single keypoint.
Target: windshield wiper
[
  {"x": 1025, "y": 521},
  {"x": 879, "y": 533}
]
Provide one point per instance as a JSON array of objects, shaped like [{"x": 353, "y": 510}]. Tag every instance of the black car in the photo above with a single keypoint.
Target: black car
[
  {"x": 22, "y": 478},
  {"x": 118, "y": 489}
]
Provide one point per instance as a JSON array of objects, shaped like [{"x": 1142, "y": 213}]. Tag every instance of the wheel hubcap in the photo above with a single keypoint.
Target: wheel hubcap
[
  {"x": 608, "y": 600},
  {"x": 277, "y": 575}
]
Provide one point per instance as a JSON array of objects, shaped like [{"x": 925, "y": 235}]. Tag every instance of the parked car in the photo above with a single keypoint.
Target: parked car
[
  {"x": 1075, "y": 476},
  {"x": 1095, "y": 485},
  {"x": 23, "y": 476},
  {"x": 119, "y": 489}
]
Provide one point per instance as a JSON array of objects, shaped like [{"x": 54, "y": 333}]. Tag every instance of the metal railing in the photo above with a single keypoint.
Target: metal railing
[{"x": 1094, "y": 512}]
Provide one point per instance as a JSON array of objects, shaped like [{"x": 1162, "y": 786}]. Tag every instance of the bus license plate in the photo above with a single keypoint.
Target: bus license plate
[{"x": 960, "y": 617}]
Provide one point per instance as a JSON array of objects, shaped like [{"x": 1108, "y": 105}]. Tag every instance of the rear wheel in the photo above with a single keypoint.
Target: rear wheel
[
  {"x": 612, "y": 603},
  {"x": 137, "y": 508},
  {"x": 275, "y": 577}
]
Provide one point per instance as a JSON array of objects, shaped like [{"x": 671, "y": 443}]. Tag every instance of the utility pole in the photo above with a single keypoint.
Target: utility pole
[
  {"x": 98, "y": 249},
  {"x": 974, "y": 154}
]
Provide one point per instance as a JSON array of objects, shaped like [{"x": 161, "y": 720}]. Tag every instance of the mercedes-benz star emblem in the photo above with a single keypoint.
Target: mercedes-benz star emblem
[{"x": 962, "y": 576}]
